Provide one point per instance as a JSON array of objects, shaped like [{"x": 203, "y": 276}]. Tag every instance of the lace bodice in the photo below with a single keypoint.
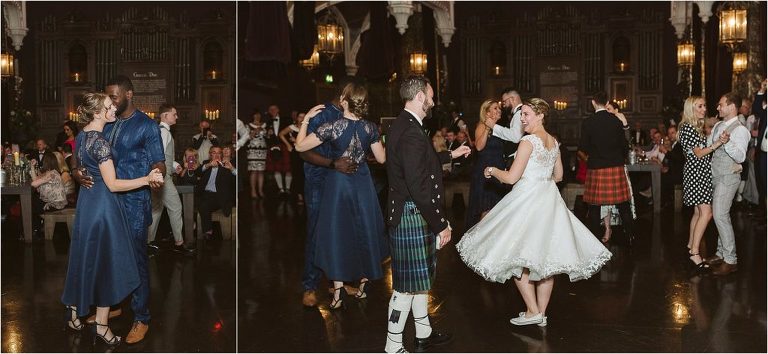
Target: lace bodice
[
  {"x": 92, "y": 151},
  {"x": 542, "y": 161},
  {"x": 363, "y": 134}
]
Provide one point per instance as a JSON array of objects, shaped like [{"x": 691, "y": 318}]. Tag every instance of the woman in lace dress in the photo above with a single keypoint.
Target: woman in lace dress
[
  {"x": 350, "y": 230},
  {"x": 51, "y": 192},
  {"x": 530, "y": 234},
  {"x": 257, "y": 155}
]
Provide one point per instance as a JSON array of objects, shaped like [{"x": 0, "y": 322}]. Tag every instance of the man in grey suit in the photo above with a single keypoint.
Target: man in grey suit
[
  {"x": 167, "y": 197},
  {"x": 726, "y": 175}
]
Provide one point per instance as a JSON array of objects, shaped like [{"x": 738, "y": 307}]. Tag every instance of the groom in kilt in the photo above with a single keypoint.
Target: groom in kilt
[
  {"x": 415, "y": 215},
  {"x": 603, "y": 146}
]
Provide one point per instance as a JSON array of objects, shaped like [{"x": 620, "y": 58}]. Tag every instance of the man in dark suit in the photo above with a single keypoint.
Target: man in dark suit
[
  {"x": 672, "y": 166},
  {"x": 638, "y": 136},
  {"x": 415, "y": 215},
  {"x": 603, "y": 146},
  {"x": 215, "y": 190}
]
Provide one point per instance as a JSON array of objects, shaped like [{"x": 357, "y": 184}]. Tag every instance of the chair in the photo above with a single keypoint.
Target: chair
[
  {"x": 51, "y": 218},
  {"x": 227, "y": 223}
]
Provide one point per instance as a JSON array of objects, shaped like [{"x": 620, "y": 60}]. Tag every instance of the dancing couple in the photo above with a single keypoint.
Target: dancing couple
[{"x": 118, "y": 160}]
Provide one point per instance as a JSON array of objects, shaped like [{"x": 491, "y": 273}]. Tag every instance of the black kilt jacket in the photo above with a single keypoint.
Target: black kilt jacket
[{"x": 414, "y": 172}]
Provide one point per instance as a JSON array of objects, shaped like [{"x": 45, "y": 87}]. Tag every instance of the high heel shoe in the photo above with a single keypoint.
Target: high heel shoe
[
  {"x": 73, "y": 322},
  {"x": 339, "y": 303},
  {"x": 112, "y": 342},
  {"x": 701, "y": 266},
  {"x": 362, "y": 291}
]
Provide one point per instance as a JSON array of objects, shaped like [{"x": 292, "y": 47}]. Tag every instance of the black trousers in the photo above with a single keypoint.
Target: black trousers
[{"x": 207, "y": 204}]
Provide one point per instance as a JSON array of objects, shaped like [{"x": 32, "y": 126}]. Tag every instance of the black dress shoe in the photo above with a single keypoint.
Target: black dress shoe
[
  {"x": 436, "y": 338},
  {"x": 181, "y": 249}
]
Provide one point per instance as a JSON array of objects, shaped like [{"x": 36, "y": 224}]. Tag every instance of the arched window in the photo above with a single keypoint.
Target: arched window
[
  {"x": 498, "y": 58},
  {"x": 212, "y": 60},
  {"x": 78, "y": 63},
  {"x": 621, "y": 54}
]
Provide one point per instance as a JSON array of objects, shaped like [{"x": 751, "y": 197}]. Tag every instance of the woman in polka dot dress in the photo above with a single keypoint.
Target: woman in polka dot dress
[{"x": 697, "y": 173}]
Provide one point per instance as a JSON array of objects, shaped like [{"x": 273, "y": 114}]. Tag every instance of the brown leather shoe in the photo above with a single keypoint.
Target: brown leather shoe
[
  {"x": 713, "y": 260},
  {"x": 137, "y": 333},
  {"x": 310, "y": 299},
  {"x": 725, "y": 269},
  {"x": 112, "y": 314}
]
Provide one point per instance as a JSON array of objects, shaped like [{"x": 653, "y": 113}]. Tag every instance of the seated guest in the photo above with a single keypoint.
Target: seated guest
[
  {"x": 188, "y": 173},
  {"x": 66, "y": 151},
  {"x": 655, "y": 153},
  {"x": 41, "y": 147},
  {"x": 637, "y": 135},
  {"x": 50, "y": 189},
  {"x": 215, "y": 190},
  {"x": 66, "y": 178}
]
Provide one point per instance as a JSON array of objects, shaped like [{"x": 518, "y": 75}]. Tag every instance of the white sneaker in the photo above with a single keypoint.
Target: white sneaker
[
  {"x": 543, "y": 319},
  {"x": 522, "y": 320}
]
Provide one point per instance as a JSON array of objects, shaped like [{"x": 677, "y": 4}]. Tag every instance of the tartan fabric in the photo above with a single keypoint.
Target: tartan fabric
[
  {"x": 606, "y": 186},
  {"x": 413, "y": 252}
]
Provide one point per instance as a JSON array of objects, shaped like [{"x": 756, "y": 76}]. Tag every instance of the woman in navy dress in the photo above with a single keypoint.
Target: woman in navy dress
[
  {"x": 350, "y": 228},
  {"x": 485, "y": 193},
  {"x": 102, "y": 268}
]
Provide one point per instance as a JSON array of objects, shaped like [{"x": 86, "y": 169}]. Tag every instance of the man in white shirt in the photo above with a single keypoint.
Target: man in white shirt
[
  {"x": 726, "y": 175},
  {"x": 167, "y": 197},
  {"x": 511, "y": 101},
  {"x": 203, "y": 141}
]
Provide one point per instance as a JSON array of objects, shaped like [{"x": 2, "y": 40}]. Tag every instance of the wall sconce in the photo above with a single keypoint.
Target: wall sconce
[
  {"x": 313, "y": 61},
  {"x": 212, "y": 114},
  {"x": 213, "y": 75},
  {"x": 686, "y": 54},
  {"x": 623, "y": 103},
  {"x": 328, "y": 79},
  {"x": 739, "y": 62},
  {"x": 497, "y": 71},
  {"x": 733, "y": 25},
  {"x": 561, "y": 105},
  {"x": 76, "y": 77},
  {"x": 418, "y": 63},
  {"x": 621, "y": 67},
  {"x": 74, "y": 117},
  {"x": 151, "y": 115},
  {"x": 6, "y": 65}
]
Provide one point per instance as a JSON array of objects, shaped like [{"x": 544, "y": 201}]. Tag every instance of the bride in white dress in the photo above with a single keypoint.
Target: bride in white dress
[{"x": 530, "y": 234}]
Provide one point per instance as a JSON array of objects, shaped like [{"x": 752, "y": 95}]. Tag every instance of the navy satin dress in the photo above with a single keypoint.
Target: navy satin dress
[
  {"x": 484, "y": 193},
  {"x": 350, "y": 227},
  {"x": 102, "y": 267}
]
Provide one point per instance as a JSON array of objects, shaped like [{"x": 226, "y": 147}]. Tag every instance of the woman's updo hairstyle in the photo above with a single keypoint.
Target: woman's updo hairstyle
[
  {"x": 539, "y": 106},
  {"x": 356, "y": 96},
  {"x": 93, "y": 103}
]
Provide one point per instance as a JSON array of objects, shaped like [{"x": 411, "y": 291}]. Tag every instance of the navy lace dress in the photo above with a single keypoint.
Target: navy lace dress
[
  {"x": 484, "y": 193},
  {"x": 102, "y": 267},
  {"x": 350, "y": 228}
]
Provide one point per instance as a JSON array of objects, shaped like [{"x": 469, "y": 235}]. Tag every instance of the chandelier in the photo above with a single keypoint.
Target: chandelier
[
  {"x": 330, "y": 35},
  {"x": 418, "y": 63},
  {"x": 739, "y": 62},
  {"x": 733, "y": 24}
]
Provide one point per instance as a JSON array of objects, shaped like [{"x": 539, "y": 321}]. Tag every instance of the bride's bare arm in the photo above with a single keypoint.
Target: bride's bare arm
[
  {"x": 514, "y": 173},
  {"x": 557, "y": 173}
]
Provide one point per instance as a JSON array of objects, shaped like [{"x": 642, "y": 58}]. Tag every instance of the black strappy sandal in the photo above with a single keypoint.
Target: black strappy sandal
[
  {"x": 362, "y": 291},
  {"x": 73, "y": 322},
  {"x": 112, "y": 342}
]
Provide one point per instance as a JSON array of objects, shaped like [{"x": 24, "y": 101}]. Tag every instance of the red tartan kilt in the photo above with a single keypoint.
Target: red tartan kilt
[
  {"x": 606, "y": 186},
  {"x": 279, "y": 161}
]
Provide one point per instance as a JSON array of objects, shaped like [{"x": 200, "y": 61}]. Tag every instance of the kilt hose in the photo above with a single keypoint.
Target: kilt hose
[
  {"x": 606, "y": 186},
  {"x": 413, "y": 252}
]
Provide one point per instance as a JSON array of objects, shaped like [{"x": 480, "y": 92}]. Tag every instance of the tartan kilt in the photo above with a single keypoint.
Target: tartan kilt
[
  {"x": 606, "y": 186},
  {"x": 413, "y": 252}
]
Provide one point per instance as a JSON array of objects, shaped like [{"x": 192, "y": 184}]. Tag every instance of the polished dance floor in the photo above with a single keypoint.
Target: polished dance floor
[
  {"x": 644, "y": 300},
  {"x": 192, "y": 299}
]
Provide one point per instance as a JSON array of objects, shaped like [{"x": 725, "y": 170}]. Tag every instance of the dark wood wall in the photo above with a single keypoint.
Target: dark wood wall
[{"x": 168, "y": 49}]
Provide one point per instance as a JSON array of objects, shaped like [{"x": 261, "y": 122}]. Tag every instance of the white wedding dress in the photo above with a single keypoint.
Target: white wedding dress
[{"x": 531, "y": 227}]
